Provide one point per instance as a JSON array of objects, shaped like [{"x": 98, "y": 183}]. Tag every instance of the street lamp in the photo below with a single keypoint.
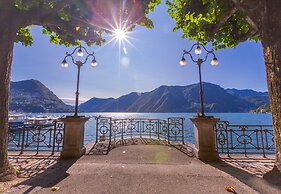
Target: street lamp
[
  {"x": 79, "y": 64},
  {"x": 199, "y": 61}
]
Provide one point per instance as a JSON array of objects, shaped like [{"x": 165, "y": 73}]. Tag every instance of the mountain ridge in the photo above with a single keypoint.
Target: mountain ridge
[
  {"x": 33, "y": 96},
  {"x": 180, "y": 99}
]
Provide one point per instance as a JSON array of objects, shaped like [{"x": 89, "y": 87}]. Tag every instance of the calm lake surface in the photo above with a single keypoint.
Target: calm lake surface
[{"x": 233, "y": 118}]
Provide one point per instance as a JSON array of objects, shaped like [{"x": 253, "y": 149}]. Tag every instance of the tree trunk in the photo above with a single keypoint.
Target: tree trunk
[
  {"x": 271, "y": 42},
  {"x": 273, "y": 73},
  {"x": 7, "y": 37}
]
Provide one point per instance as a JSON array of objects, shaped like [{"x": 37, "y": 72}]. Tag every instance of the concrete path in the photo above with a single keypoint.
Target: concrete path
[{"x": 134, "y": 169}]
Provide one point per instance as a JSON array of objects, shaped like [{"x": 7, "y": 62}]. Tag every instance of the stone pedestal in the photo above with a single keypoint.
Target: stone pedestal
[
  {"x": 204, "y": 138},
  {"x": 73, "y": 144}
]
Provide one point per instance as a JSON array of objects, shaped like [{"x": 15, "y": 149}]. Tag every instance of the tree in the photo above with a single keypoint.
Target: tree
[
  {"x": 227, "y": 23},
  {"x": 66, "y": 22}
]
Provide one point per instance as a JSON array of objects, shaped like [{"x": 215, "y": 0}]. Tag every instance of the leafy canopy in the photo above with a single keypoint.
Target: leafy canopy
[
  {"x": 213, "y": 21},
  {"x": 70, "y": 21}
]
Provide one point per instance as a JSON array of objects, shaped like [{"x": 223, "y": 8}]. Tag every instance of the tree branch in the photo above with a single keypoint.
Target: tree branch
[
  {"x": 65, "y": 29},
  {"x": 7, "y": 4},
  {"x": 244, "y": 37},
  {"x": 250, "y": 17},
  {"x": 61, "y": 5},
  {"x": 222, "y": 21}
]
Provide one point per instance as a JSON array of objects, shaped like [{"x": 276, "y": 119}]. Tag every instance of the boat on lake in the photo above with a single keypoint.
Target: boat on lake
[
  {"x": 42, "y": 119},
  {"x": 17, "y": 119}
]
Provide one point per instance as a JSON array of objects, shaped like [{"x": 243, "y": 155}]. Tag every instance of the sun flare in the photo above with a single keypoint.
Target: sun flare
[{"x": 120, "y": 34}]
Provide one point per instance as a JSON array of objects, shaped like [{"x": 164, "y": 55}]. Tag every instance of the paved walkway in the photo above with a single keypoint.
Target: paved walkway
[
  {"x": 253, "y": 164},
  {"x": 138, "y": 169},
  {"x": 28, "y": 166}
]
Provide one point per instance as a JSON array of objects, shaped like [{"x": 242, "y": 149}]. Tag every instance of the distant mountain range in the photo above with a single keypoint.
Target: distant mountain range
[
  {"x": 180, "y": 99},
  {"x": 32, "y": 96}
]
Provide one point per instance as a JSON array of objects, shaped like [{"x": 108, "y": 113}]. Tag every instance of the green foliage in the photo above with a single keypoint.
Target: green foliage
[
  {"x": 198, "y": 19},
  {"x": 25, "y": 5},
  {"x": 150, "y": 8},
  {"x": 75, "y": 19},
  {"x": 24, "y": 37},
  {"x": 57, "y": 39},
  {"x": 265, "y": 107},
  {"x": 152, "y": 4}
]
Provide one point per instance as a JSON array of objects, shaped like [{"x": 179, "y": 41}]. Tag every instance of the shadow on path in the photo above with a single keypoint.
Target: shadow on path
[
  {"x": 257, "y": 183},
  {"x": 28, "y": 166},
  {"x": 273, "y": 176},
  {"x": 104, "y": 147},
  {"x": 43, "y": 172}
]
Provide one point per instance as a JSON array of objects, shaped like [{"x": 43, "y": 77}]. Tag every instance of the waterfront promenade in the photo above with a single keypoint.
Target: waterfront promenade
[{"x": 145, "y": 169}]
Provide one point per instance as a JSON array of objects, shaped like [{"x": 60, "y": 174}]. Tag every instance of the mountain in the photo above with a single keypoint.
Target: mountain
[
  {"x": 179, "y": 99},
  {"x": 246, "y": 92},
  {"x": 33, "y": 96},
  {"x": 251, "y": 96}
]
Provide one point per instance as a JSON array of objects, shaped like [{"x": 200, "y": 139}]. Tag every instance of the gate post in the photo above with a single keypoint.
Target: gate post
[
  {"x": 73, "y": 143},
  {"x": 204, "y": 138}
]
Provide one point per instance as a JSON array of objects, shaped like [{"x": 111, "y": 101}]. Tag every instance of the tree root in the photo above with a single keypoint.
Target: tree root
[{"x": 7, "y": 174}]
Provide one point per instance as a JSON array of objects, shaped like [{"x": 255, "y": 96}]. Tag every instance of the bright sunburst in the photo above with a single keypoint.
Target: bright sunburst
[
  {"x": 118, "y": 27},
  {"x": 120, "y": 34}
]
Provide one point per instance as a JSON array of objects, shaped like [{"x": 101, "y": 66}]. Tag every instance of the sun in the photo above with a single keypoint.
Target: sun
[{"x": 120, "y": 34}]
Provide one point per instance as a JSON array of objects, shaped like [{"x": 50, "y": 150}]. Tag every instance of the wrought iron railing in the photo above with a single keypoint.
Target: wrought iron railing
[
  {"x": 36, "y": 138},
  {"x": 244, "y": 139},
  {"x": 113, "y": 130}
]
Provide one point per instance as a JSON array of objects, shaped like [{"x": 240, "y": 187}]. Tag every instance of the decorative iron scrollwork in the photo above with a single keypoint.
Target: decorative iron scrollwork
[
  {"x": 117, "y": 130},
  {"x": 244, "y": 139},
  {"x": 35, "y": 137}
]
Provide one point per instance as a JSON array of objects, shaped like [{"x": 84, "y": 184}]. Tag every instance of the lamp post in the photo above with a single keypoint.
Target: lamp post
[
  {"x": 79, "y": 64},
  {"x": 199, "y": 62}
]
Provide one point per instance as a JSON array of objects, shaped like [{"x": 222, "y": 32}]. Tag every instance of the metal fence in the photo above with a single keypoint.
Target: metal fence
[
  {"x": 36, "y": 138},
  {"x": 109, "y": 129},
  {"x": 244, "y": 139}
]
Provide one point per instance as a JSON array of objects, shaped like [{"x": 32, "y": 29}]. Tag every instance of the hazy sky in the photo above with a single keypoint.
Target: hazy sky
[{"x": 151, "y": 61}]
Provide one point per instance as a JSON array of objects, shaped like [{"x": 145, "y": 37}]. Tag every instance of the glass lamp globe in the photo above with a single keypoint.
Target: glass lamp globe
[
  {"x": 214, "y": 62},
  {"x": 183, "y": 62},
  {"x": 198, "y": 50},
  {"x": 80, "y": 53},
  {"x": 64, "y": 64},
  {"x": 94, "y": 63}
]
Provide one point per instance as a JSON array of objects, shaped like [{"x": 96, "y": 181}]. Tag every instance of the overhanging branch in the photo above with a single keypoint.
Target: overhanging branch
[
  {"x": 222, "y": 21},
  {"x": 65, "y": 29},
  {"x": 244, "y": 37},
  {"x": 247, "y": 12},
  {"x": 61, "y": 5}
]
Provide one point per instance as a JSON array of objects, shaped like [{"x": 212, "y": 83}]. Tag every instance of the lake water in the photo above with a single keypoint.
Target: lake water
[
  {"x": 233, "y": 118},
  {"x": 90, "y": 126}
]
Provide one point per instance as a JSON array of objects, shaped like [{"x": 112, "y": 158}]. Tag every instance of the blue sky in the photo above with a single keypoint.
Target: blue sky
[{"x": 151, "y": 61}]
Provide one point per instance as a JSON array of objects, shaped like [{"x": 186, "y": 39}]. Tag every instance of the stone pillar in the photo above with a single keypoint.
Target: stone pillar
[
  {"x": 73, "y": 144},
  {"x": 204, "y": 138}
]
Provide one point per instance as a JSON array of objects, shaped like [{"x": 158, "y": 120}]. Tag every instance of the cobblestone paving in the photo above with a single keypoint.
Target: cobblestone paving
[
  {"x": 28, "y": 166},
  {"x": 253, "y": 164}
]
